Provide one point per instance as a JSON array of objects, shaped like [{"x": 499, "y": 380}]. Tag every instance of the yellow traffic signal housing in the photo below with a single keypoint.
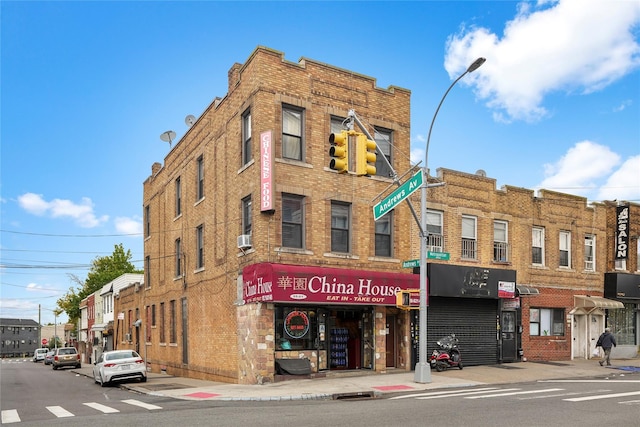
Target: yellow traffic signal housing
[
  {"x": 408, "y": 299},
  {"x": 365, "y": 156},
  {"x": 339, "y": 151}
]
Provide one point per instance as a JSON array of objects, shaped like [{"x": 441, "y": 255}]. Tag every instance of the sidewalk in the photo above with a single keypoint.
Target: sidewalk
[{"x": 364, "y": 384}]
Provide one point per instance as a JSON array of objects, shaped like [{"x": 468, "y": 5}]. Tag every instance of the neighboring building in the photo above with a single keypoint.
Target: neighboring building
[
  {"x": 105, "y": 330},
  {"x": 19, "y": 337},
  {"x": 251, "y": 241},
  {"x": 622, "y": 279},
  {"x": 83, "y": 332},
  {"x": 558, "y": 247}
]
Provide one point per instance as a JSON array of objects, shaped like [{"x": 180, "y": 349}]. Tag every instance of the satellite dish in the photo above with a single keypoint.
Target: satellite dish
[
  {"x": 168, "y": 136},
  {"x": 481, "y": 172},
  {"x": 190, "y": 120}
]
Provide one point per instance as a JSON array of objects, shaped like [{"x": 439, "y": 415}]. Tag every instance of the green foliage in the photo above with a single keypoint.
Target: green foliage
[{"x": 103, "y": 270}]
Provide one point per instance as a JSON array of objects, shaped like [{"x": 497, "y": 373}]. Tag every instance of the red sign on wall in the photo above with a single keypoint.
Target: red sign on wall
[{"x": 266, "y": 282}]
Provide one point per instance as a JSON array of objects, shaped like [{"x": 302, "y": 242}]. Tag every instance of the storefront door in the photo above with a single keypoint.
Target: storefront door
[
  {"x": 391, "y": 341},
  {"x": 508, "y": 336}
]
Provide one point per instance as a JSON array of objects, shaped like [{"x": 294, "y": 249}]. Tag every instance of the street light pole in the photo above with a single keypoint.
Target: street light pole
[{"x": 423, "y": 369}]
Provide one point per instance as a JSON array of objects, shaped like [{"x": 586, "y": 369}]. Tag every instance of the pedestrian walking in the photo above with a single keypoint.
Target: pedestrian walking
[{"x": 606, "y": 341}]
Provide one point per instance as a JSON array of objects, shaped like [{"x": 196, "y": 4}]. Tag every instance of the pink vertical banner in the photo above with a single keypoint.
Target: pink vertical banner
[{"x": 266, "y": 172}]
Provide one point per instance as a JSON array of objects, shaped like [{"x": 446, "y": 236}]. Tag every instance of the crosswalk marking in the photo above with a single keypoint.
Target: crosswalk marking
[
  {"x": 59, "y": 411},
  {"x": 10, "y": 416},
  {"x": 604, "y": 396},
  {"x": 514, "y": 393},
  {"x": 101, "y": 408},
  {"x": 444, "y": 393},
  {"x": 141, "y": 404},
  {"x": 461, "y": 394}
]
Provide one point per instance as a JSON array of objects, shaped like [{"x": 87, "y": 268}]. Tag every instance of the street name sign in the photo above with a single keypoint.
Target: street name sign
[
  {"x": 398, "y": 196},
  {"x": 444, "y": 256},
  {"x": 411, "y": 263}
]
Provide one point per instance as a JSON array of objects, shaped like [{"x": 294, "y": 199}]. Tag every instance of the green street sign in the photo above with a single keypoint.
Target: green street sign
[
  {"x": 411, "y": 263},
  {"x": 398, "y": 196},
  {"x": 443, "y": 256}
]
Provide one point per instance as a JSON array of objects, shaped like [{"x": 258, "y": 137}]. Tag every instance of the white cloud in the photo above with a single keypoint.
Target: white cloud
[
  {"x": 81, "y": 213},
  {"x": 623, "y": 184},
  {"x": 555, "y": 46},
  {"x": 128, "y": 225},
  {"x": 589, "y": 169}
]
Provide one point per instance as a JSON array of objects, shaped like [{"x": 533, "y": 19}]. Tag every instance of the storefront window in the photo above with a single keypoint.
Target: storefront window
[
  {"x": 622, "y": 323},
  {"x": 296, "y": 328}
]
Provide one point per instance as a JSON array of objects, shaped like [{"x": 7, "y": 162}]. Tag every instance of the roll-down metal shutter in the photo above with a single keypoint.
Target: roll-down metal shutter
[{"x": 473, "y": 320}]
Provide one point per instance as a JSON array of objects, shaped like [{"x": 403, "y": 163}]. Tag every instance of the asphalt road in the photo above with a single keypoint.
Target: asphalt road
[{"x": 34, "y": 395}]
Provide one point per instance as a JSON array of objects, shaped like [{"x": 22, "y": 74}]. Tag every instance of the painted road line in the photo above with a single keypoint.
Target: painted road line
[
  {"x": 141, "y": 404},
  {"x": 413, "y": 396},
  {"x": 10, "y": 416},
  {"x": 466, "y": 395},
  {"x": 59, "y": 411},
  {"x": 604, "y": 396},
  {"x": 515, "y": 393},
  {"x": 101, "y": 408}
]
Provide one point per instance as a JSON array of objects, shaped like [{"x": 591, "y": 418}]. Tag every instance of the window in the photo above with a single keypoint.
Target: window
[
  {"x": 565, "y": 249},
  {"x": 147, "y": 271},
  {"x": 435, "y": 241},
  {"x": 305, "y": 337},
  {"x": 246, "y": 215},
  {"x": 546, "y": 321},
  {"x": 383, "y": 235},
  {"x": 246, "y": 137},
  {"x": 200, "y": 246},
  {"x": 337, "y": 124},
  {"x": 590, "y": 252},
  {"x": 623, "y": 324},
  {"x": 384, "y": 141},
  {"x": 292, "y": 221},
  {"x": 147, "y": 223},
  {"x": 537, "y": 246},
  {"x": 172, "y": 326},
  {"x": 178, "y": 197},
  {"x": 162, "y": 324},
  {"x": 500, "y": 239},
  {"x": 200, "y": 177},
  {"x": 340, "y": 221},
  {"x": 468, "y": 237},
  {"x": 153, "y": 315},
  {"x": 178, "y": 262},
  {"x": 147, "y": 323},
  {"x": 292, "y": 126}
]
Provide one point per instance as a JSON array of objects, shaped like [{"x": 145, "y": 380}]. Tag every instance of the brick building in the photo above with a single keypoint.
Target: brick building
[
  {"x": 256, "y": 252},
  {"x": 560, "y": 249},
  {"x": 257, "y": 255}
]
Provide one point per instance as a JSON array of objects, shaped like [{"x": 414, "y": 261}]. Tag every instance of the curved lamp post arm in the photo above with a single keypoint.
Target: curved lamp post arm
[{"x": 423, "y": 369}]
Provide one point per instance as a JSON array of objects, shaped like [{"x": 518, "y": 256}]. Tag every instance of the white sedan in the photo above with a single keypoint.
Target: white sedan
[{"x": 119, "y": 365}]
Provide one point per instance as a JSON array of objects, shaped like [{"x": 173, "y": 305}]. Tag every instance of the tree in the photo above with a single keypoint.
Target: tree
[{"x": 103, "y": 270}]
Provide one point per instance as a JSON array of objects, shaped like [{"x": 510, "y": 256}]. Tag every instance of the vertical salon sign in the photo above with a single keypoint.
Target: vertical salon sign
[
  {"x": 266, "y": 171},
  {"x": 622, "y": 232}
]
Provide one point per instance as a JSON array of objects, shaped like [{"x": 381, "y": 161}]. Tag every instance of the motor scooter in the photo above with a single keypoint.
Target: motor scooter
[{"x": 447, "y": 355}]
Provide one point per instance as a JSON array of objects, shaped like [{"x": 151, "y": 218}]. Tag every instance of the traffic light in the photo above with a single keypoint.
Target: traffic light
[
  {"x": 339, "y": 151},
  {"x": 408, "y": 299},
  {"x": 365, "y": 156}
]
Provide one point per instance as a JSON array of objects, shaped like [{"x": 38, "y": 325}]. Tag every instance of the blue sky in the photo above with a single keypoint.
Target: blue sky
[{"x": 88, "y": 87}]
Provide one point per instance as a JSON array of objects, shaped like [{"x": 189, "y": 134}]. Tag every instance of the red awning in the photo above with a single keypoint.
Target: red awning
[{"x": 267, "y": 282}]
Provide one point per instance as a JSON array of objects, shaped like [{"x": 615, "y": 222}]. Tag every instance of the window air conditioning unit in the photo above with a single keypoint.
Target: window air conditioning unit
[{"x": 244, "y": 241}]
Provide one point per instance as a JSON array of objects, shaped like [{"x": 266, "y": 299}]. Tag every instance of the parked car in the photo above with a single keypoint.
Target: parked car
[
  {"x": 39, "y": 354},
  {"x": 48, "y": 358},
  {"x": 66, "y": 356},
  {"x": 117, "y": 365}
]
